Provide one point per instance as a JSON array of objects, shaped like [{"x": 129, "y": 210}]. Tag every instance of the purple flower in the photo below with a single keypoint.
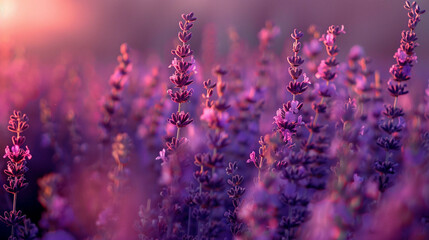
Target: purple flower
[
  {"x": 17, "y": 154},
  {"x": 356, "y": 53},
  {"x": 18, "y": 122},
  {"x": 214, "y": 118},
  {"x": 189, "y": 17},
  {"x": 325, "y": 71},
  {"x": 268, "y": 33},
  {"x": 326, "y": 90},
  {"x": 400, "y": 73},
  {"x": 329, "y": 38},
  {"x": 180, "y": 96},
  {"x": 401, "y": 56},
  {"x": 252, "y": 158},
  {"x": 180, "y": 119},
  {"x": 162, "y": 156},
  {"x": 12, "y": 218},
  {"x": 312, "y": 49}
]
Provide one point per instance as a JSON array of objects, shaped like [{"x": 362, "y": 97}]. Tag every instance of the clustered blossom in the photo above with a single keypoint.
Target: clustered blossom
[
  {"x": 169, "y": 208},
  {"x": 114, "y": 136},
  {"x": 287, "y": 118},
  {"x": 16, "y": 168},
  {"x": 235, "y": 193},
  {"x": 312, "y": 49},
  {"x": 327, "y": 72},
  {"x": 208, "y": 176},
  {"x": 117, "y": 82},
  {"x": 184, "y": 69},
  {"x": 393, "y": 123},
  {"x": 260, "y": 161},
  {"x": 267, "y": 34}
]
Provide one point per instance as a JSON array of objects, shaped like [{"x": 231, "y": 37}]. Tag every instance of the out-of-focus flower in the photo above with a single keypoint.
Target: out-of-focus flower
[
  {"x": 268, "y": 33},
  {"x": 313, "y": 48},
  {"x": 326, "y": 90},
  {"x": 215, "y": 118},
  {"x": 329, "y": 38},
  {"x": 356, "y": 52},
  {"x": 121, "y": 148},
  {"x": 162, "y": 156},
  {"x": 252, "y": 158}
]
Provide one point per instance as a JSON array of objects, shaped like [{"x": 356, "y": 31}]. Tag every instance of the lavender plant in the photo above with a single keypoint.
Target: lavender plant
[
  {"x": 326, "y": 71},
  {"x": 111, "y": 105},
  {"x": 15, "y": 170},
  {"x": 287, "y": 118},
  {"x": 211, "y": 180},
  {"x": 394, "y": 123},
  {"x": 171, "y": 156},
  {"x": 182, "y": 77}
]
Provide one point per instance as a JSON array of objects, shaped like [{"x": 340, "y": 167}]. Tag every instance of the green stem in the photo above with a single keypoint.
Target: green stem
[
  {"x": 315, "y": 121},
  {"x": 259, "y": 170},
  {"x": 13, "y": 210},
  {"x": 201, "y": 185},
  {"x": 395, "y": 102},
  {"x": 178, "y": 129}
]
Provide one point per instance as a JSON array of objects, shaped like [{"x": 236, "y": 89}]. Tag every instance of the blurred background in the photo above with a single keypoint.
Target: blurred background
[
  {"x": 48, "y": 46},
  {"x": 47, "y": 27}
]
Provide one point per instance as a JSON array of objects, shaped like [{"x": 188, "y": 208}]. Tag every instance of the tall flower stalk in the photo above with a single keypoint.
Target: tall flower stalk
[
  {"x": 327, "y": 72},
  {"x": 287, "y": 119},
  {"x": 209, "y": 176},
  {"x": 393, "y": 123},
  {"x": 110, "y": 123},
  {"x": 182, "y": 76},
  {"x": 183, "y": 65},
  {"x": 16, "y": 168}
]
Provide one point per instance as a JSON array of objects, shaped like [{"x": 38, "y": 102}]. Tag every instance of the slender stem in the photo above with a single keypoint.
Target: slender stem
[
  {"x": 12, "y": 233},
  {"x": 377, "y": 83},
  {"x": 344, "y": 125},
  {"x": 259, "y": 170},
  {"x": 315, "y": 121},
  {"x": 15, "y": 194},
  {"x": 219, "y": 86},
  {"x": 178, "y": 133},
  {"x": 387, "y": 156},
  {"x": 14, "y": 201},
  {"x": 395, "y": 102},
  {"x": 178, "y": 109},
  {"x": 201, "y": 185},
  {"x": 178, "y": 129}
]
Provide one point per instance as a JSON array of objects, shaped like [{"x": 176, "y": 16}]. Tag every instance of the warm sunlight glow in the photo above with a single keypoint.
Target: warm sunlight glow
[{"x": 7, "y": 9}]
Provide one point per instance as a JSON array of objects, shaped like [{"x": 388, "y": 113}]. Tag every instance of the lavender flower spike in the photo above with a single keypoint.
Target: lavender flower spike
[
  {"x": 393, "y": 123},
  {"x": 16, "y": 168},
  {"x": 183, "y": 72},
  {"x": 287, "y": 118}
]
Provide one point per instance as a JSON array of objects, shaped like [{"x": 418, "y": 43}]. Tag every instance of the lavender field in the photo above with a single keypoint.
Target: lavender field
[{"x": 214, "y": 120}]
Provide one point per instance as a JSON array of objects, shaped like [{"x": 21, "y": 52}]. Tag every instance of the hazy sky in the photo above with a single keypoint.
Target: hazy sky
[{"x": 100, "y": 26}]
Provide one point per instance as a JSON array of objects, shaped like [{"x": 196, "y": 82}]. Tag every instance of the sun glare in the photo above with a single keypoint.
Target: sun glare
[{"x": 7, "y": 9}]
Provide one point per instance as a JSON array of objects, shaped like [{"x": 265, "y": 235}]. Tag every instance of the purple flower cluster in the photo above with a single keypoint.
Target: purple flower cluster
[
  {"x": 183, "y": 70},
  {"x": 287, "y": 118},
  {"x": 15, "y": 170},
  {"x": 111, "y": 105},
  {"x": 393, "y": 122},
  {"x": 327, "y": 72}
]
